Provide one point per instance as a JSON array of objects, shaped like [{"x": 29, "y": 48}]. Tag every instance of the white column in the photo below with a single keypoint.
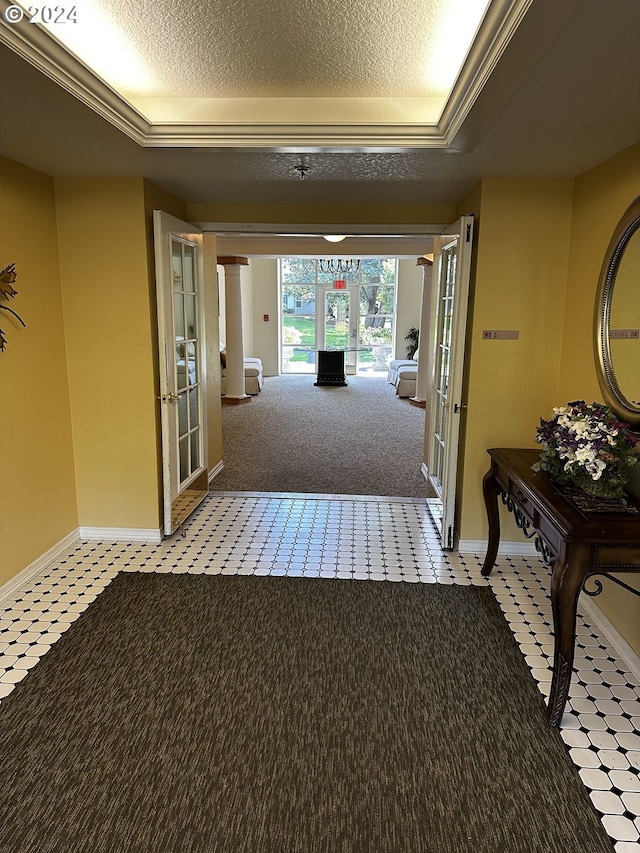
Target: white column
[
  {"x": 235, "y": 385},
  {"x": 422, "y": 379}
]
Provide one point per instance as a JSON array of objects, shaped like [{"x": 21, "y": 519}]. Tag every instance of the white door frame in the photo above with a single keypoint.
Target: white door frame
[
  {"x": 458, "y": 236},
  {"x": 179, "y": 498}
]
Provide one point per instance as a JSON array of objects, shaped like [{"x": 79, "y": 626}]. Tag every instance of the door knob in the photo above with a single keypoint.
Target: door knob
[{"x": 169, "y": 398}]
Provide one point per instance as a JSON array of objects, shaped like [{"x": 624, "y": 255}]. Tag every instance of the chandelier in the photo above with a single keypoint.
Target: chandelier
[{"x": 338, "y": 265}]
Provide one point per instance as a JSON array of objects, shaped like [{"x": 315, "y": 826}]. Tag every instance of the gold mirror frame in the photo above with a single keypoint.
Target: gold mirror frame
[{"x": 613, "y": 395}]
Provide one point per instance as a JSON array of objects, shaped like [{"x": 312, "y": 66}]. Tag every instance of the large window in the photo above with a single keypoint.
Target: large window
[{"x": 313, "y": 317}]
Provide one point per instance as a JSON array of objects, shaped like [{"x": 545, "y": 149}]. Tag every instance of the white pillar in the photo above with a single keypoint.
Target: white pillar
[
  {"x": 235, "y": 385},
  {"x": 422, "y": 379}
]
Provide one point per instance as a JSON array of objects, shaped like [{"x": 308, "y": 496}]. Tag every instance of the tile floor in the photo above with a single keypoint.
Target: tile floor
[{"x": 378, "y": 539}]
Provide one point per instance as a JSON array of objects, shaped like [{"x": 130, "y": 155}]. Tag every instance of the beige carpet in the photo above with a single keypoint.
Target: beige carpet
[{"x": 295, "y": 437}]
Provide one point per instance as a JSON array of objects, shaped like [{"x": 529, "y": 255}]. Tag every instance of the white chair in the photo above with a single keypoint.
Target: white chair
[
  {"x": 253, "y": 373},
  {"x": 406, "y": 381},
  {"x": 403, "y": 374}
]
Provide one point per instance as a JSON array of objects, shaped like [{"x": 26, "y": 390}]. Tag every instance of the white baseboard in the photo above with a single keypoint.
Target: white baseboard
[
  {"x": 612, "y": 634},
  {"x": 23, "y": 578},
  {"x": 213, "y": 473},
  {"x": 120, "y": 534},
  {"x": 479, "y": 546}
]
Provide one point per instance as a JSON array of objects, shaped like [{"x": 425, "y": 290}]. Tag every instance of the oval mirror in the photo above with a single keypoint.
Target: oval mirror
[{"x": 617, "y": 320}]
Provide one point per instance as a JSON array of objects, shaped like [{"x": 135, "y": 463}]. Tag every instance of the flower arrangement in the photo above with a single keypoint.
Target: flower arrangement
[{"x": 589, "y": 448}]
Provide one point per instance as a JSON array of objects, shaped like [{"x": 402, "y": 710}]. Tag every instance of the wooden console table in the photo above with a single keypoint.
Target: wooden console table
[{"x": 575, "y": 542}]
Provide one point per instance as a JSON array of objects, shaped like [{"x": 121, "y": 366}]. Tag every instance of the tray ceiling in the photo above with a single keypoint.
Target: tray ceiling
[
  {"x": 547, "y": 90},
  {"x": 365, "y": 73}
]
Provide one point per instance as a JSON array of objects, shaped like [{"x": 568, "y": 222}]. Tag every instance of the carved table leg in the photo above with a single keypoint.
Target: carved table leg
[
  {"x": 568, "y": 574},
  {"x": 490, "y": 492}
]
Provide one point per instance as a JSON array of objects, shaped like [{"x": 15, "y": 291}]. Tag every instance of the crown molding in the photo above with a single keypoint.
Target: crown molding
[
  {"x": 42, "y": 50},
  {"x": 294, "y": 137},
  {"x": 496, "y": 31}
]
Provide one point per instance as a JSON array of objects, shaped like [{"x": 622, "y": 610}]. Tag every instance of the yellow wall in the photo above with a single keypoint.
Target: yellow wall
[
  {"x": 110, "y": 332},
  {"x": 367, "y": 214},
  {"x": 520, "y": 281},
  {"x": 539, "y": 248},
  {"x": 601, "y": 196},
  {"x": 38, "y": 503}
]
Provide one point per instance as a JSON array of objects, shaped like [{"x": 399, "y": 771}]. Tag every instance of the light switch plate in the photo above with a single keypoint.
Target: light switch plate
[
  {"x": 500, "y": 334},
  {"x": 624, "y": 334}
]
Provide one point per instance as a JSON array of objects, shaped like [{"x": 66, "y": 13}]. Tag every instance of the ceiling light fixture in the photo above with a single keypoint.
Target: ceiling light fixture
[
  {"x": 334, "y": 238},
  {"x": 339, "y": 265},
  {"x": 302, "y": 170}
]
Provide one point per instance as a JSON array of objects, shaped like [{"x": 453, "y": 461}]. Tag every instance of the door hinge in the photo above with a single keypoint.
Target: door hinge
[
  {"x": 468, "y": 240},
  {"x": 450, "y": 537},
  {"x": 458, "y": 407}
]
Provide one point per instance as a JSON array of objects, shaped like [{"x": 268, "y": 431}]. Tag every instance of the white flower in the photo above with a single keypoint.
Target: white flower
[
  {"x": 585, "y": 455},
  {"x": 596, "y": 468},
  {"x": 580, "y": 427}
]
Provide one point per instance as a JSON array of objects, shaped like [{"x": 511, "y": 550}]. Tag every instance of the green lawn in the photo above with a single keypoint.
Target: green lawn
[
  {"x": 334, "y": 337},
  {"x": 306, "y": 326}
]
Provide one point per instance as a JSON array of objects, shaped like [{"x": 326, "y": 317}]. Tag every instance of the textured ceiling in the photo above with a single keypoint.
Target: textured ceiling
[
  {"x": 301, "y": 48},
  {"x": 564, "y": 97}
]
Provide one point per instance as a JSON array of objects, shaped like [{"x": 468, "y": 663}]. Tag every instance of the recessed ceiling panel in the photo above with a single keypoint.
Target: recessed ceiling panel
[{"x": 365, "y": 62}]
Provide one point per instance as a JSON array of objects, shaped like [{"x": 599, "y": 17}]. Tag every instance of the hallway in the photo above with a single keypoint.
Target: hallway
[{"x": 363, "y": 538}]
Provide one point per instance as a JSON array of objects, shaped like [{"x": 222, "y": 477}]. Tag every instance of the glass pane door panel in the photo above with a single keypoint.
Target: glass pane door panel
[
  {"x": 195, "y": 450},
  {"x": 178, "y": 316},
  {"x": 192, "y": 363},
  {"x": 194, "y": 415},
  {"x": 184, "y": 458},
  {"x": 187, "y": 346},
  {"x": 183, "y": 423},
  {"x": 176, "y": 264},
  {"x": 336, "y": 320},
  {"x": 190, "y": 314},
  {"x": 188, "y": 283}
]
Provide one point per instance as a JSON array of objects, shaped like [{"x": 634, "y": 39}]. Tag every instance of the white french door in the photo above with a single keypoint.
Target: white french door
[
  {"x": 180, "y": 298},
  {"x": 452, "y": 261}
]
